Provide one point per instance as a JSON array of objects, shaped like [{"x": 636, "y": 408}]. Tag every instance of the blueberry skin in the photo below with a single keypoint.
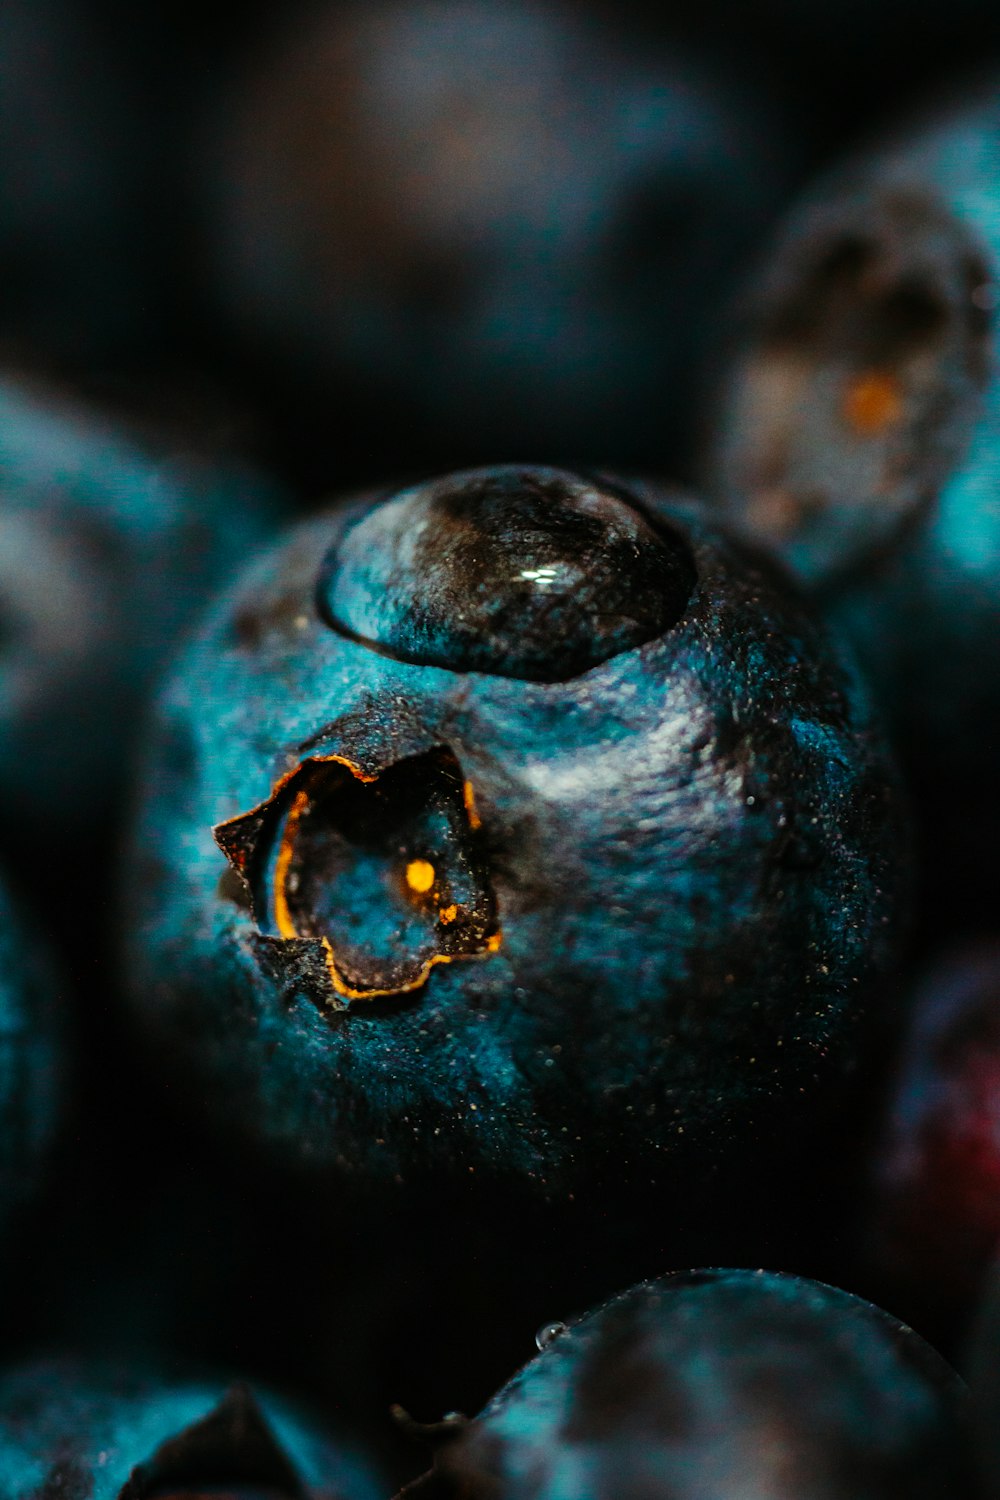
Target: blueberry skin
[
  {"x": 72, "y": 1431},
  {"x": 107, "y": 549},
  {"x": 859, "y": 437},
  {"x": 493, "y": 216},
  {"x": 933, "y": 1220},
  {"x": 680, "y": 874},
  {"x": 734, "y": 1385},
  {"x": 33, "y": 1047}
]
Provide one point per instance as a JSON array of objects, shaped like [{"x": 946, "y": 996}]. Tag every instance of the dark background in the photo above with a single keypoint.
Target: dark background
[{"x": 151, "y": 1236}]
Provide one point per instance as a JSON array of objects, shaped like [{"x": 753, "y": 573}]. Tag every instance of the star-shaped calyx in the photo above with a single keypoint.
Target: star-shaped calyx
[
  {"x": 377, "y": 877},
  {"x": 231, "y": 1454}
]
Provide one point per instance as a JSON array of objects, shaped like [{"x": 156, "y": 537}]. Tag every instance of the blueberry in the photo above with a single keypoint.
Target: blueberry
[
  {"x": 33, "y": 1050},
  {"x": 107, "y": 1432},
  {"x": 719, "y": 1383},
  {"x": 106, "y": 550},
  {"x": 490, "y": 215},
  {"x": 933, "y": 1223},
  {"x": 860, "y": 438},
  {"x": 546, "y": 917}
]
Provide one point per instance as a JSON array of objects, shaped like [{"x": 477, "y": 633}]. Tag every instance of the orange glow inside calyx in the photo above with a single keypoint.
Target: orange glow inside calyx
[
  {"x": 420, "y": 876},
  {"x": 873, "y": 402}
]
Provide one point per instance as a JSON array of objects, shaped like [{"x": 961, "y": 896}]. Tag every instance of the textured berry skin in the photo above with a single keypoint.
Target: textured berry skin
[
  {"x": 76, "y": 1432},
  {"x": 106, "y": 550},
  {"x": 32, "y": 1057},
  {"x": 673, "y": 876},
  {"x": 860, "y": 438},
  {"x": 490, "y": 214},
  {"x": 734, "y": 1385},
  {"x": 934, "y": 1220}
]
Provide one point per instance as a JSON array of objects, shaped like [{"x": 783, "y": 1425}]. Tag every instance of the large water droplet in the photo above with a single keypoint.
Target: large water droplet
[{"x": 518, "y": 572}]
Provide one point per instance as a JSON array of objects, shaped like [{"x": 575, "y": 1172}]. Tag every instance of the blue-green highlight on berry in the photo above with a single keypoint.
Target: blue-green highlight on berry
[{"x": 72, "y": 1431}]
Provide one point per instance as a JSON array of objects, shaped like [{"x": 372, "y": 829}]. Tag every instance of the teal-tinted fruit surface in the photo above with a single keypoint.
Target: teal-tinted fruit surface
[
  {"x": 69, "y": 1431},
  {"x": 106, "y": 549},
  {"x": 738, "y": 1385},
  {"x": 32, "y": 1057},
  {"x": 550, "y": 917}
]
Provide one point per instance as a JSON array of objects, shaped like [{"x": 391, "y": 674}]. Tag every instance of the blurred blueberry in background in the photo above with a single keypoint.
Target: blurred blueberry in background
[
  {"x": 498, "y": 222},
  {"x": 108, "y": 545}
]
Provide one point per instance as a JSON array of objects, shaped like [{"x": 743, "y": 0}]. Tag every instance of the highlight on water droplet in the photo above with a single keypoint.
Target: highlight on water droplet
[{"x": 548, "y": 1333}]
